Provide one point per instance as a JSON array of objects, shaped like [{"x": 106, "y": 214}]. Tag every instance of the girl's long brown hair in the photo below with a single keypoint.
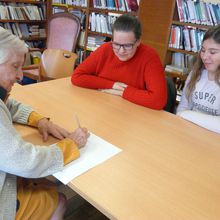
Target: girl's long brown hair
[{"x": 212, "y": 33}]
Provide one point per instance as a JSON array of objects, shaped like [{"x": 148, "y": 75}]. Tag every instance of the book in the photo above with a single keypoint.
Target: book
[
  {"x": 174, "y": 69},
  {"x": 98, "y": 23},
  {"x": 217, "y": 12},
  {"x": 191, "y": 8},
  {"x": 82, "y": 38},
  {"x": 180, "y": 10},
  {"x": 214, "y": 20},
  {"x": 172, "y": 36},
  {"x": 133, "y": 5},
  {"x": 193, "y": 39},
  {"x": 187, "y": 43},
  {"x": 116, "y": 4},
  {"x": 24, "y": 30},
  {"x": 122, "y": 5},
  {"x": 14, "y": 29},
  {"x": 93, "y": 21},
  {"x": 18, "y": 30},
  {"x": 186, "y": 12},
  {"x": 204, "y": 13},
  {"x": 209, "y": 17}
]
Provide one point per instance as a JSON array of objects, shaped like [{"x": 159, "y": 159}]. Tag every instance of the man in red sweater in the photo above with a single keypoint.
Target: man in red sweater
[{"x": 125, "y": 67}]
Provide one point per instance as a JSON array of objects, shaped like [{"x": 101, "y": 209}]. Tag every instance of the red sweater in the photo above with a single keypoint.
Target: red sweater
[{"x": 143, "y": 74}]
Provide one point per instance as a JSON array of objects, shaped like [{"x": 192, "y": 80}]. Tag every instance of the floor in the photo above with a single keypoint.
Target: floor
[{"x": 78, "y": 208}]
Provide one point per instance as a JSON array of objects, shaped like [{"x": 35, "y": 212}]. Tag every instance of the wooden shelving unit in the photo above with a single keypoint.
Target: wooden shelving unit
[
  {"x": 176, "y": 21},
  {"x": 41, "y": 23}
]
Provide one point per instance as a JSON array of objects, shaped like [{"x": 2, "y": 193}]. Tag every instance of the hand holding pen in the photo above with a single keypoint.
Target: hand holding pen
[{"x": 80, "y": 135}]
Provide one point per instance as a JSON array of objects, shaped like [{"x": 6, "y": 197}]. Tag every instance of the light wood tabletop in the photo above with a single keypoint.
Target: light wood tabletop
[{"x": 168, "y": 168}]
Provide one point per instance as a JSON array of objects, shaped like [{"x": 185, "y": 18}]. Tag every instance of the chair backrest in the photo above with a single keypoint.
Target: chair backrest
[
  {"x": 171, "y": 96},
  {"x": 63, "y": 31},
  {"x": 56, "y": 63}
]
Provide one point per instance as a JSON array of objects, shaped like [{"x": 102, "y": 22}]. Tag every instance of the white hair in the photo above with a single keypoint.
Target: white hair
[{"x": 10, "y": 44}]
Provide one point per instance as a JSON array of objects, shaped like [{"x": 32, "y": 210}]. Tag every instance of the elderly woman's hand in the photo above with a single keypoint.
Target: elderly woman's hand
[
  {"x": 47, "y": 128},
  {"x": 80, "y": 136}
]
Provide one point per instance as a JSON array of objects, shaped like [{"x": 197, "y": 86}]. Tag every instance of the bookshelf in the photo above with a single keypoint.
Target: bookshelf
[
  {"x": 101, "y": 13},
  {"x": 160, "y": 19},
  {"x": 189, "y": 21},
  {"x": 26, "y": 19},
  {"x": 186, "y": 34}
]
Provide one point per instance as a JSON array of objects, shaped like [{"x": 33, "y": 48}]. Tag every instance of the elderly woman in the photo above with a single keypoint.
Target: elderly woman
[{"x": 21, "y": 197}]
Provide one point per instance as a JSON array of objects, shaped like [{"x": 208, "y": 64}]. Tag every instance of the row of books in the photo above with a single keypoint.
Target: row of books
[
  {"x": 93, "y": 42},
  {"x": 56, "y": 9},
  {"x": 23, "y": 30},
  {"x": 198, "y": 12},
  {"x": 121, "y": 5},
  {"x": 81, "y": 54},
  {"x": 36, "y": 44},
  {"x": 19, "y": 11},
  {"x": 80, "y": 14},
  {"x": 82, "y": 3},
  {"x": 181, "y": 63},
  {"x": 102, "y": 23},
  {"x": 186, "y": 38},
  {"x": 179, "y": 83},
  {"x": 81, "y": 41}
]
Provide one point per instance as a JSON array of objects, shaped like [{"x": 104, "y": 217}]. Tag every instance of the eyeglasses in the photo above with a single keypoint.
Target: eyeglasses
[{"x": 127, "y": 47}]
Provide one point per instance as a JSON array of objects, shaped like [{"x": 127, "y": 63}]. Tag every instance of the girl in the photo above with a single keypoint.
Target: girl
[{"x": 200, "y": 101}]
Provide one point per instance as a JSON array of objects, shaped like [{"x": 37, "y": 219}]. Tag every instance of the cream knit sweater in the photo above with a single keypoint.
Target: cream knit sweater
[{"x": 20, "y": 158}]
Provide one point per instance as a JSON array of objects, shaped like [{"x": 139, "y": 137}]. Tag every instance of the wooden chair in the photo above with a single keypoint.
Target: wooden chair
[
  {"x": 63, "y": 32},
  {"x": 56, "y": 63}
]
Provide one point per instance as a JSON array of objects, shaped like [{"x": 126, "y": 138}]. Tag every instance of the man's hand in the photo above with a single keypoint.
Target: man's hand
[
  {"x": 47, "y": 128},
  {"x": 80, "y": 136}
]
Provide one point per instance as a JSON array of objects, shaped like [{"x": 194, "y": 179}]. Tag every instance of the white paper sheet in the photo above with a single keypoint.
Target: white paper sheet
[{"x": 95, "y": 152}]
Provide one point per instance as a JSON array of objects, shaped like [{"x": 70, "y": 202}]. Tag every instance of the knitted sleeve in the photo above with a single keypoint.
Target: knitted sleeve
[
  {"x": 154, "y": 95},
  {"x": 19, "y": 112},
  {"x": 85, "y": 75},
  {"x": 23, "y": 158},
  {"x": 67, "y": 146}
]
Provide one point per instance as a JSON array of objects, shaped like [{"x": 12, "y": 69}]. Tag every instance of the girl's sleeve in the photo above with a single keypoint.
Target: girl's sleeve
[
  {"x": 85, "y": 75},
  {"x": 209, "y": 122}
]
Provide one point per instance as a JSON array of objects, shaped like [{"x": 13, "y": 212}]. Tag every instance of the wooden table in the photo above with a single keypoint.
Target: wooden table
[{"x": 169, "y": 168}]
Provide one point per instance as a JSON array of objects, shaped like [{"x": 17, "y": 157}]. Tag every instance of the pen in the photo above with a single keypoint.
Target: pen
[{"x": 77, "y": 121}]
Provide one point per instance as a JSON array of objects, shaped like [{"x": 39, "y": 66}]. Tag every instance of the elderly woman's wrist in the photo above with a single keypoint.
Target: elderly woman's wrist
[{"x": 34, "y": 119}]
